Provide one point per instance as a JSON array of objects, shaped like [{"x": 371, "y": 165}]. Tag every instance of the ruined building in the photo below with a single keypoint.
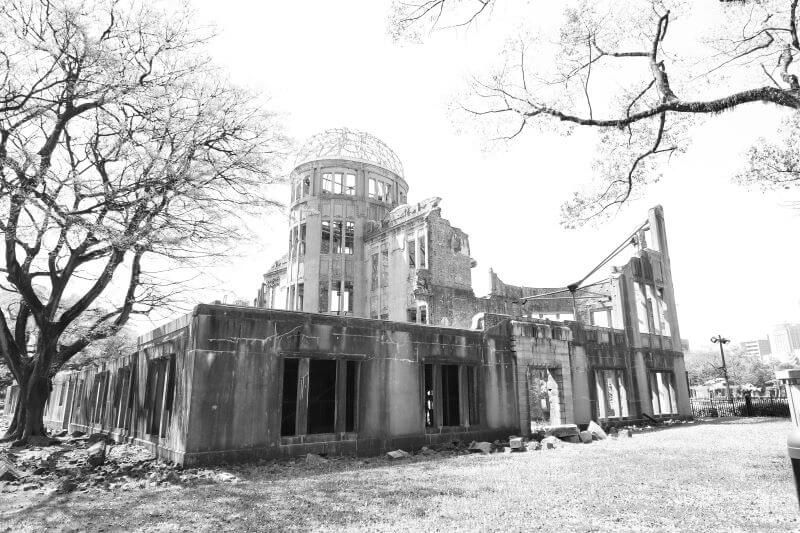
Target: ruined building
[{"x": 367, "y": 336}]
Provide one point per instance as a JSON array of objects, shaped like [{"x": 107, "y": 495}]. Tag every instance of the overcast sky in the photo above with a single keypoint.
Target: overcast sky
[{"x": 330, "y": 64}]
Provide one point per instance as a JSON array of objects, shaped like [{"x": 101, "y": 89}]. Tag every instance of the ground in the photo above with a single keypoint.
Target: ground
[{"x": 726, "y": 474}]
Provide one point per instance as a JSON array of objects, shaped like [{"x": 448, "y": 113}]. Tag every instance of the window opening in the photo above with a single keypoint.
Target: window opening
[
  {"x": 349, "y": 237},
  {"x": 347, "y": 305},
  {"x": 300, "y": 291},
  {"x": 326, "y": 237},
  {"x": 335, "y": 296},
  {"x": 306, "y": 185},
  {"x": 350, "y": 393},
  {"x": 321, "y": 396},
  {"x": 450, "y": 396},
  {"x": 154, "y": 395},
  {"x": 62, "y": 394},
  {"x": 170, "y": 394},
  {"x": 612, "y": 397},
  {"x": 662, "y": 385},
  {"x": 429, "y": 397},
  {"x": 411, "y": 315},
  {"x": 289, "y": 397},
  {"x": 337, "y": 236},
  {"x": 412, "y": 253},
  {"x": 472, "y": 395},
  {"x": 350, "y": 184},
  {"x": 301, "y": 248},
  {"x": 327, "y": 183},
  {"x": 422, "y": 252},
  {"x": 423, "y": 314}
]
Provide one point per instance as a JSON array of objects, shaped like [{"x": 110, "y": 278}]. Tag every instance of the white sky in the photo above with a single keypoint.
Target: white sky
[{"x": 332, "y": 64}]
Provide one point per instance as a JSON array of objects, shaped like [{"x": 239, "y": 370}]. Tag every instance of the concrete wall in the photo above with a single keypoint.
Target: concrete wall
[{"x": 237, "y": 363}]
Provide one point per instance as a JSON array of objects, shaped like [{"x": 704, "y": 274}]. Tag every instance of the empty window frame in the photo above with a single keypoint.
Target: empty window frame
[
  {"x": 306, "y": 185},
  {"x": 98, "y": 397},
  {"x": 662, "y": 390},
  {"x": 296, "y": 190},
  {"x": 412, "y": 253},
  {"x": 472, "y": 395},
  {"x": 337, "y": 236},
  {"x": 349, "y": 237},
  {"x": 451, "y": 415},
  {"x": 289, "y": 397},
  {"x": 335, "y": 304},
  {"x": 423, "y": 252},
  {"x": 423, "y": 314},
  {"x": 429, "y": 397},
  {"x": 347, "y": 295},
  {"x": 300, "y": 294},
  {"x": 330, "y": 403},
  {"x": 446, "y": 388},
  {"x": 62, "y": 393},
  {"x": 350, "y": 184},
  {"x": 379, "y": 190},
  {"x": 325, "y": 247},
  {"x": 321, "y": 396},
  {"x": 301, "y": 240},
  {"x": 612, "y": 395},
  {"x": 153, "y": 399},
  {"x": 351, "y": 399},
  {"x": 327, "y": 183}
]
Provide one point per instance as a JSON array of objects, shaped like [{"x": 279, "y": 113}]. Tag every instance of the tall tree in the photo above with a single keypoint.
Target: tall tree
[
  {"x": 641, "y": 71},
  {"x": 122, "y": 155}
]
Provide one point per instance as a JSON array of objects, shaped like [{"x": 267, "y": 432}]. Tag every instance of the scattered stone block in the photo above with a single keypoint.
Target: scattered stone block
[
  {"x": 427, "y": 451},
  {"x": 398, "y": 454},
  {"x": 516, "y": 443},
  {"x": 562, "y": 431},
  {"x": 9, "y": 472},
  {"x": 506, "y": 449},
  {"x": 96, "y": 454},
  {"x": 533, "y": 446},
  {"x": 595, "y": 429},
  {"x": 480, "y": 447},
  {"x": 586, "y": 437},
  {"x": 628, "y": 433},
  {"x": 312, "y": 458},
  {"x": 550, "y": 442}
]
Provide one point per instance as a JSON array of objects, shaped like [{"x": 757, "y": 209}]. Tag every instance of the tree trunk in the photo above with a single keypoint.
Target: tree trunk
[
  {"x": 38, "y": 392},
  {"x": 27, "y": 426}
]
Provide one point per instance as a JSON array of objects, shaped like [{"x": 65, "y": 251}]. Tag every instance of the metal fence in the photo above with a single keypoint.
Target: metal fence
[{"x": 713, "y": 407}]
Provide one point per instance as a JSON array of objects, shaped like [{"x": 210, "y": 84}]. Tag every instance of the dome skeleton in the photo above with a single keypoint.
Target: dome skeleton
[{"x": 354, "y": 145}]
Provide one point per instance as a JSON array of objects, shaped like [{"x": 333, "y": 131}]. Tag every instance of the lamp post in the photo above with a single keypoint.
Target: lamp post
[{"x": 722, "y": 340}]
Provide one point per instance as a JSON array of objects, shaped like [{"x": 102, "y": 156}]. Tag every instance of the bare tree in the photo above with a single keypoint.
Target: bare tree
[
  {"x": 122, "y": 155},
  {"x": 643, "y": 72}
]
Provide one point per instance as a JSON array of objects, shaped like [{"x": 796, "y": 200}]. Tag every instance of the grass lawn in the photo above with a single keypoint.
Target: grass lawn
[{"x": 729, "y": 474}]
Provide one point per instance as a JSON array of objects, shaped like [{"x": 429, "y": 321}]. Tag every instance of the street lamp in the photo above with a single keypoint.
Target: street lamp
[{"x": 722, "y": 340}]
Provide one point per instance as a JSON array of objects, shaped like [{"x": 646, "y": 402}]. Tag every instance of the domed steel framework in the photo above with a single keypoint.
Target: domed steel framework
[{"x": 343, "y": 143}]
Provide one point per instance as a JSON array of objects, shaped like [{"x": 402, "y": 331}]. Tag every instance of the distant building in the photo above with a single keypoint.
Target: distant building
[
  {"x": 685, "y": 345},
  {"x": 785, "y": 341},
  {"x": 757, "y": 348}
]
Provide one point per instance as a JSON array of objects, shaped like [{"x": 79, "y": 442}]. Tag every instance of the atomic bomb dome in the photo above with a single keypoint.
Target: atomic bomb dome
[{"x": 354, "y": 145}]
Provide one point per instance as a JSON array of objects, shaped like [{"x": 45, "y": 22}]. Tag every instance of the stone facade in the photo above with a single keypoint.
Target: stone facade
[{"x": 367, "y": 336}]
